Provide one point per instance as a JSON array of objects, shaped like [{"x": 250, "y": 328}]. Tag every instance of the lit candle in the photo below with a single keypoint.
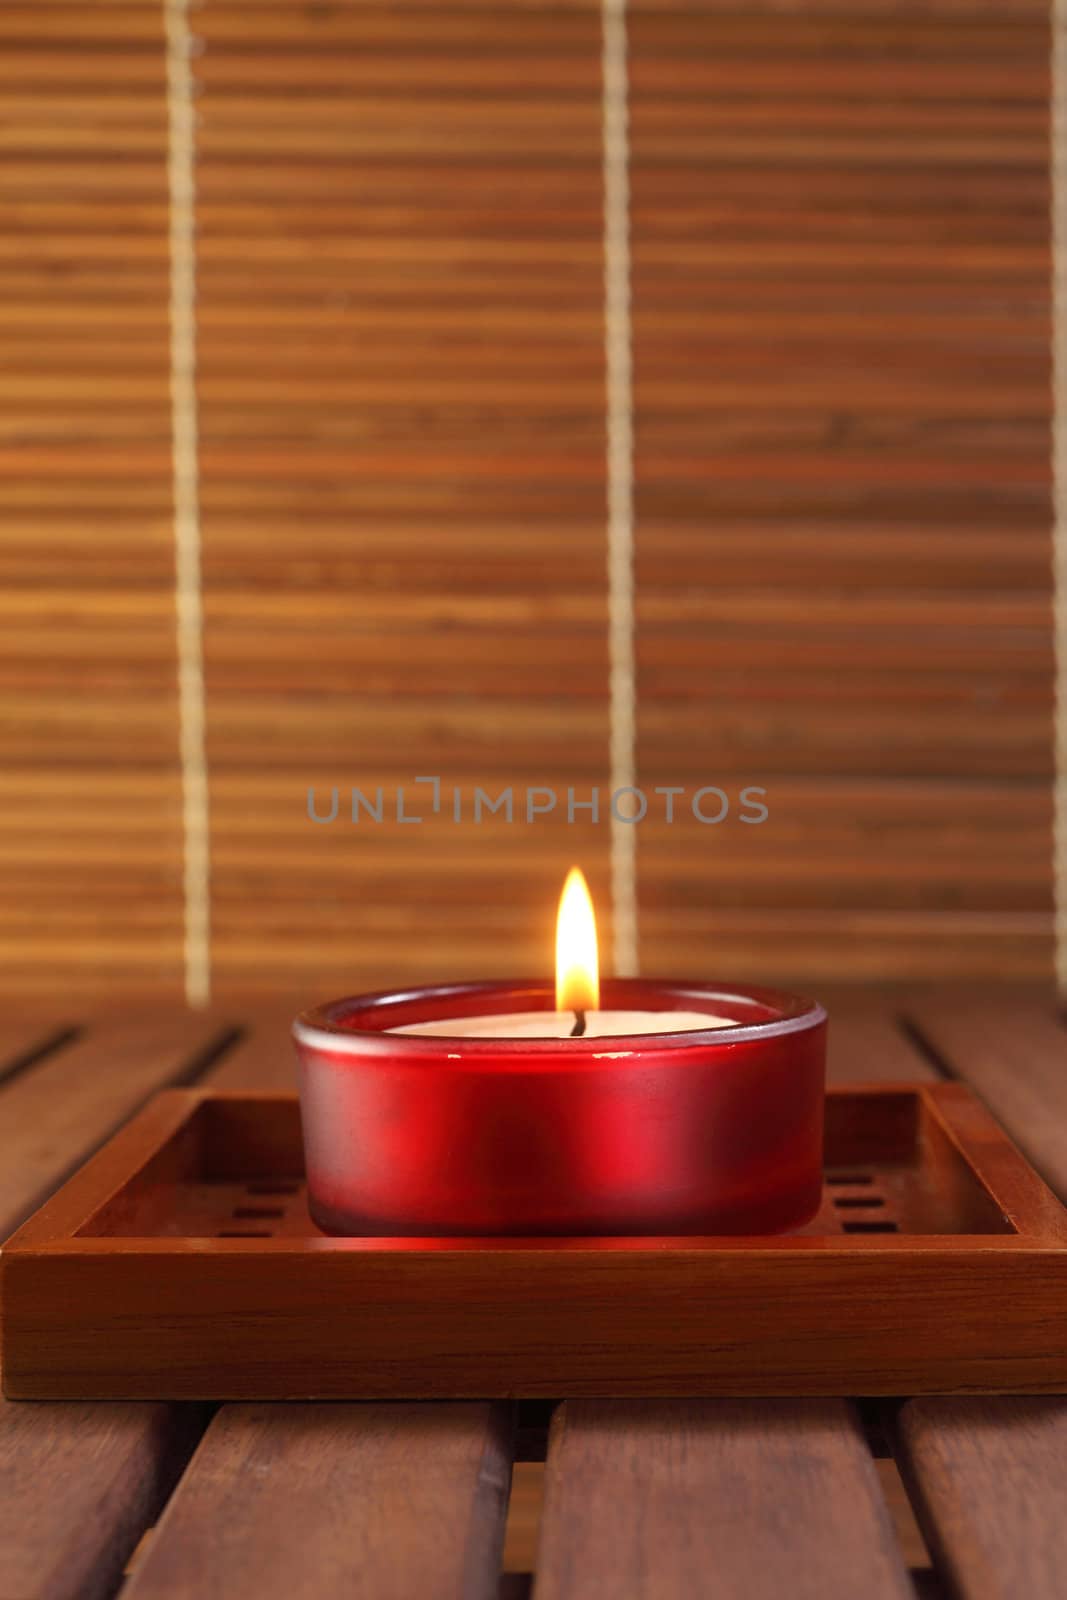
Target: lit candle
[
  {"x": 577, "y": 1012},
  {"x": 633, "y": 1106},
  {"x": 567, "y": 1025}
]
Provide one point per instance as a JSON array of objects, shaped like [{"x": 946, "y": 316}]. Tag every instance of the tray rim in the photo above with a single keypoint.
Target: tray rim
[{"x": 989, "y": 1153}]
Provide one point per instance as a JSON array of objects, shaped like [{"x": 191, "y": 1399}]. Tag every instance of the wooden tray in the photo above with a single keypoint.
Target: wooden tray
[{"x": 180, "y": 1263}]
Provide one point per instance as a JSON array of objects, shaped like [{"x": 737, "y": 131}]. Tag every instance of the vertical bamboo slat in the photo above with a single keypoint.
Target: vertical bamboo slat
[
  {"x": 89, "y": 806},
  {"x": 401, "y": 389},
  {"x": 841, "y": 291}
]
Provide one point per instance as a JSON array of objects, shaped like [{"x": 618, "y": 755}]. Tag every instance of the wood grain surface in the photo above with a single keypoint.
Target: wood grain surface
[
  {"x": 984, "y": 1478},
  {"x": 300, "y": 1502},
  {"x": 979, "y": 1469},
  {"x": 1016, "y": 1057},
  {"x": 78, "y": 1485},
  {"x": 117, "y": 1463},
  {"x": 54, "y": 1114},
  {"x": 262, "y": 1056},
  {"x": 957, "y": 1283},
  {"x": 983, "y": 1474},
  {"x": 867, "y": 1042},
  {"x": 662, "y": 1501}
]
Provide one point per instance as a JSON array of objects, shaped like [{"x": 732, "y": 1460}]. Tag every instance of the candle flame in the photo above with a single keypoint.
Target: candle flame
[{"x": 577, "y": 962}]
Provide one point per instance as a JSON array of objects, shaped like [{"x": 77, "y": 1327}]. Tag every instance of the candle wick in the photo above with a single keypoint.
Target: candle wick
[{"x": 579, "y": 1025}]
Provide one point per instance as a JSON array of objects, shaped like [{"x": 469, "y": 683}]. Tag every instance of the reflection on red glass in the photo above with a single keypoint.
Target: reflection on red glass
[{"x": 715, "y": 1131}]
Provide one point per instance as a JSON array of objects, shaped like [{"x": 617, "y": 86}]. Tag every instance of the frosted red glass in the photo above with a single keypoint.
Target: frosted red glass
[{"x": 718, "y": 1131}]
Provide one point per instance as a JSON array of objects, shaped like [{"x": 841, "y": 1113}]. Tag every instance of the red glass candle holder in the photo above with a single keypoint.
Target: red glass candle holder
[{"x": 715, "y": 1131}]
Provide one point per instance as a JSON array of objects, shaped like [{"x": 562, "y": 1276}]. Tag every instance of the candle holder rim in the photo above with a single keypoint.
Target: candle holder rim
[{"x": 319, "y": 1027}]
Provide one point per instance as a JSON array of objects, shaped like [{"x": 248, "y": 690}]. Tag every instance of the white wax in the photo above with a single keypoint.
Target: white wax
[{"x": 560, "y": 1024}]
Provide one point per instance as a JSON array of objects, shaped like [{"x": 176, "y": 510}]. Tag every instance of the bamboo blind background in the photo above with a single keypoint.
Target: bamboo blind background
[{"x": 839, "y": 235}]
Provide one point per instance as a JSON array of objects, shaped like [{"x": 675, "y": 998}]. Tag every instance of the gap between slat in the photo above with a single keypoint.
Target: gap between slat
[{"x": 47, "y": 1044}]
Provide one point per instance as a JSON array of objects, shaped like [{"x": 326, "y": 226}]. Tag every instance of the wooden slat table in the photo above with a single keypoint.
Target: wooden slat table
[
  {"x": 655, "y": 1499},
  {"x": 722, "y": 1497}
]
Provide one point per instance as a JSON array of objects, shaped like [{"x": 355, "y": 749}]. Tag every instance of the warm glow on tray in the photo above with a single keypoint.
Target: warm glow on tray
[{"x": 577, "y": 961}]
